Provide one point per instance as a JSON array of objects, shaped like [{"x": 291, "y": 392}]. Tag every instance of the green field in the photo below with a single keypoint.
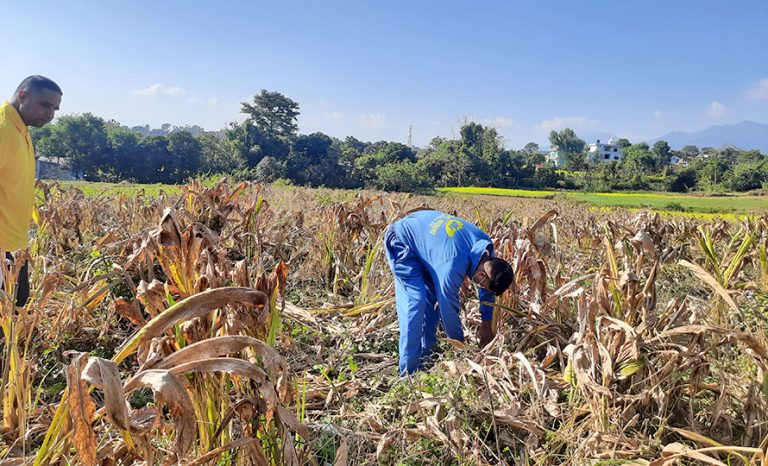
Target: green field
[
  {"x": 98, "y": 189},
  {"x": 682, "y": 204},
  {"x": 663, "y": 202},
  {"x": 501, "y": 192}
]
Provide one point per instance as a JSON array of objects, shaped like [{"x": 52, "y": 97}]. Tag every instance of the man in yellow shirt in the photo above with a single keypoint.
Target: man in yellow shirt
[{"x": 33, "y": 104}]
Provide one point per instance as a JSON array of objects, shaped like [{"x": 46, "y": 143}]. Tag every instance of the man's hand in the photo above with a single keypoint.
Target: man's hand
[{"x": 485, "y": 333}]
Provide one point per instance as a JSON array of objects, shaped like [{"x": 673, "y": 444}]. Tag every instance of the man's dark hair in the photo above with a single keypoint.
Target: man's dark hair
[
  {"x": 37, "y": 83},
  {"x": 501, "y": 275}
]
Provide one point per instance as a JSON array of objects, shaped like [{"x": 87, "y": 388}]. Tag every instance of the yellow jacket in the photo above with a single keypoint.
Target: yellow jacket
[{"x": 17, "y": 179}]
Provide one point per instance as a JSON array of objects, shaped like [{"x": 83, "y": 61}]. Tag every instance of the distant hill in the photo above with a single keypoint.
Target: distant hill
[{"x": 745, "y": 135}]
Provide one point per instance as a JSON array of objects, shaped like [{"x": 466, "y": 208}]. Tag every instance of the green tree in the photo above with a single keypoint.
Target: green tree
[
  {"x": 530, "y": 148},
  {"x": 124, "y": 159},
  {"x": 154, "y": 151},
  {"x": 573, "y": 147},
  {"x": 623, "y": 143},
  {"x": 217, "y": 155},
  {"x": 273, "y": 113},
  {"x": 448, "y": 164},
  {"x": 690, "y": 151},
  {"x": 80, "y": 138},
  {"x": 566, "y": 140},
  {"x": 713, "y": 170},
  {"x": 638, "y": 160},
  {"x": 750, "y": 156},
  {"x": 532, "y": 155},
  {"x": 662, "y": 151},
  {"x": 269, "y": 170},
  {"x": 484, "y": 148},
  {"x": 381, "y": 153},
  {"x": 747, "y": 176},
  {"x": 682, "y": 181},
  {"x": 401, "y": 176},
  {"x": 314, "y": 161},
  {"x": 252, "y": 144},
  {"x": 184, "y": 156}
]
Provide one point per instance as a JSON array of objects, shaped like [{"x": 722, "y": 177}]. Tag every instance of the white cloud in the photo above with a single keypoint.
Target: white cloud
[
  {"x": 574, "y": 122},
  {"x": 175, "y": 90},
  {"x": 160, "y": 88},
  {"x": 718, "y": 110},
  {"x": 336, "y": 116},
  {"x": 212, "y": 102},
  {"x": 657, "y": 114},
  {"x": 373, "y": 120},
  {"x": 498, "y": 122},
  {"x": 759, "y": 91},
  {"x": 194, "y": 100}
]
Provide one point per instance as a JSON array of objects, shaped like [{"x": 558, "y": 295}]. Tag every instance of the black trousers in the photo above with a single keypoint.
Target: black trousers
[{"x": 22, "y": 283}]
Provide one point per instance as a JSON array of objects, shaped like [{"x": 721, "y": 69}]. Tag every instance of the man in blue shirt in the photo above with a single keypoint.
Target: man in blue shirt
[{"x": 430, "y": 254}]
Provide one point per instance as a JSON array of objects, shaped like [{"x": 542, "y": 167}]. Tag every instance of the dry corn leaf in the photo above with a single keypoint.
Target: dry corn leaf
[
  {"x": 213, "y": 454},
  {"x": 426, "y": 403},
  {"x": 342, "y": 453},
  {"x": 707, "y": 278},
  {"x": 194, "y": 306},
  {"x": 81, "y": 410},
  {"x": 103, "y": 374},
  {"x": 233, "y": 366},
  {"x": 169, "y": 390},
  {"x": 224, "y": 345},
  {"x": 128, "y": 310},
  {"x": 288, "y": 418}
]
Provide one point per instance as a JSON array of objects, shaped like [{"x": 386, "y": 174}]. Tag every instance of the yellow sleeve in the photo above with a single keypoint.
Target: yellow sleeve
[{"x": 6, "y": 146}]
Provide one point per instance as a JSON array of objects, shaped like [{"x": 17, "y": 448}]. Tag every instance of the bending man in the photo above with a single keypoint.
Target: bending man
[{"x": 430, "y": 254}]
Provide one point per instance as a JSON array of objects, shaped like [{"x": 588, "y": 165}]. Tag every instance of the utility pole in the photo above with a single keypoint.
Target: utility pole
[{"x": 410, "y": 135}]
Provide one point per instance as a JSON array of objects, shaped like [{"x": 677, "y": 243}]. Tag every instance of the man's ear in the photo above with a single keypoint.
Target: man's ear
[{"x": 21, "y": 96}]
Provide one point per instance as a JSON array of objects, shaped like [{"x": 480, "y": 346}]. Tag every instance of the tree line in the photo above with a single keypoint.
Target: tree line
[{"x": 267, "y": 147}]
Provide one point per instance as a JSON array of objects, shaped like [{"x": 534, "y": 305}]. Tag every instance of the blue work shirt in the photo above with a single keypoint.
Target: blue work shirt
[{"x": 450, "y": 249}]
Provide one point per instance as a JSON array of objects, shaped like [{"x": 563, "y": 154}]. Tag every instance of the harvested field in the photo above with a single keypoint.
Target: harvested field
[{"x": 247, "y": 324}]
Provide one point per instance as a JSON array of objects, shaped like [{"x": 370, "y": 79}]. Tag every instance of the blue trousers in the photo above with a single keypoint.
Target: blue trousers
[{"x": 415, "y": 299}]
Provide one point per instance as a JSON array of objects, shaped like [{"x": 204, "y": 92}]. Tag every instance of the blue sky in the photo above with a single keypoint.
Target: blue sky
[{"x": 372, "y": 68}]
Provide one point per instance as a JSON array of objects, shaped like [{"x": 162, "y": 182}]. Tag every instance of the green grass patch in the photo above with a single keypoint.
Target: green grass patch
[
  {"x": 93, "y": 189},
  {"x": 500, "y": 192},
  {"x": 682, "y": 203},
  {"x": 679, "y": 204}
]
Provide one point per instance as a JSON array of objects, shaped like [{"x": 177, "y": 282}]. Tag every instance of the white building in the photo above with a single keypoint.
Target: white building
[
  {"x": 555, "y": 157},
  {"x": 601, "y": 152},
  {"x": 677, "y": 160},
  {"x": 50, "y": 168}
]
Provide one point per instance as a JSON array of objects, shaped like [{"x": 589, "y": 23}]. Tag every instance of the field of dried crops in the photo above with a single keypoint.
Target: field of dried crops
[{"x": 248, "y": 324}]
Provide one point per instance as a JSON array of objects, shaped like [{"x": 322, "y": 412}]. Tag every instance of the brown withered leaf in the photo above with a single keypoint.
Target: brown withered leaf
[
  {"x": 288, "y": 450},
  {"x": 104, "y": 375},
  {"x": 288, "y": 418},
  {"x": 426, "y": 403},
  {"x": 643, "y": 242},
  {"x": 151, "y": 295},
  {"x": 213, "y": 454},
  {"x": 233, "y": 366},
  {"x": 128, "y": 310},
  {"x": 386, "y": 440},
  {"x": 707, "y": 278},
  {"x": 194, "y": 306},
  {"x": 81, "y": 409},
  {"x": 224, "y": 345},
  {"x": 549, "y": 215},
  {"x": 342, "y": 453},
  {"x": 169, "y": 390},
  {"x": 145, "y": 419}
]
